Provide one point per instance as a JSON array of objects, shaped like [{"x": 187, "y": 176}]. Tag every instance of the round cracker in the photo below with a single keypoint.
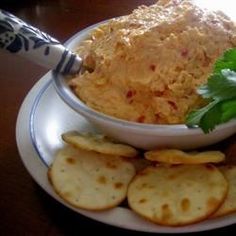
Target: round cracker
[
  {"x": 177, "y": 195},
  {"x": 98, "y": 143},
  {"x": 229, "y": 204},
  {"x": 174, "y": 156},
  {"x": 90, "y": 180}
]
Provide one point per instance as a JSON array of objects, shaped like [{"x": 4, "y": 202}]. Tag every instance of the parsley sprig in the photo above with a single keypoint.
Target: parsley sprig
[{"x": 220, "y": 92}]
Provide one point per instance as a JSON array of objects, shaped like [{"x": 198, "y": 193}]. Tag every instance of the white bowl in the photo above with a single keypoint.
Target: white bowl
[{"x": 144, "y": 136}]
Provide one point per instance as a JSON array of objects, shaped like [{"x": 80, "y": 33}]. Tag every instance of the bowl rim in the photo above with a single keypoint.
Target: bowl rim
[{"x": 76, "y": 104}]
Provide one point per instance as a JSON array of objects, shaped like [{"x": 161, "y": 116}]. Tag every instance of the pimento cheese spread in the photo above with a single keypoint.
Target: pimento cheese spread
[{"x": 148, "y": 65}]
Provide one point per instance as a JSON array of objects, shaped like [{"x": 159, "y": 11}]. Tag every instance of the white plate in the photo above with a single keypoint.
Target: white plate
[{"x": 43, "y": 117}]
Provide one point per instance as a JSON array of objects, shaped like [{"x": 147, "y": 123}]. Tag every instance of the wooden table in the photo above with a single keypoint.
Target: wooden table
[{"x": 25, "y": 209}]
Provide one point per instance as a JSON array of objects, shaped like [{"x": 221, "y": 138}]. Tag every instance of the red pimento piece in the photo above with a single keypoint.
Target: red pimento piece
[
  {"x": 173, "y": 104},
  {"x": 130, "y": 93},
  {"x": 157, "y": 117},
  {"x": 152, "y": 67},
  {"x": 184, "y": 52},
  {"x": 141, "y": 119},
  {"x": 159, "y": 93}
]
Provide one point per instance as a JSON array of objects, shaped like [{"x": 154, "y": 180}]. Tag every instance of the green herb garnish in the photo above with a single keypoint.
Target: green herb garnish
[{"x": 220, "y": 91}]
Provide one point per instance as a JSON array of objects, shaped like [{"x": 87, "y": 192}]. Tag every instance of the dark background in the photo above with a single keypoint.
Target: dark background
[{"x": 25, "y": 209}]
